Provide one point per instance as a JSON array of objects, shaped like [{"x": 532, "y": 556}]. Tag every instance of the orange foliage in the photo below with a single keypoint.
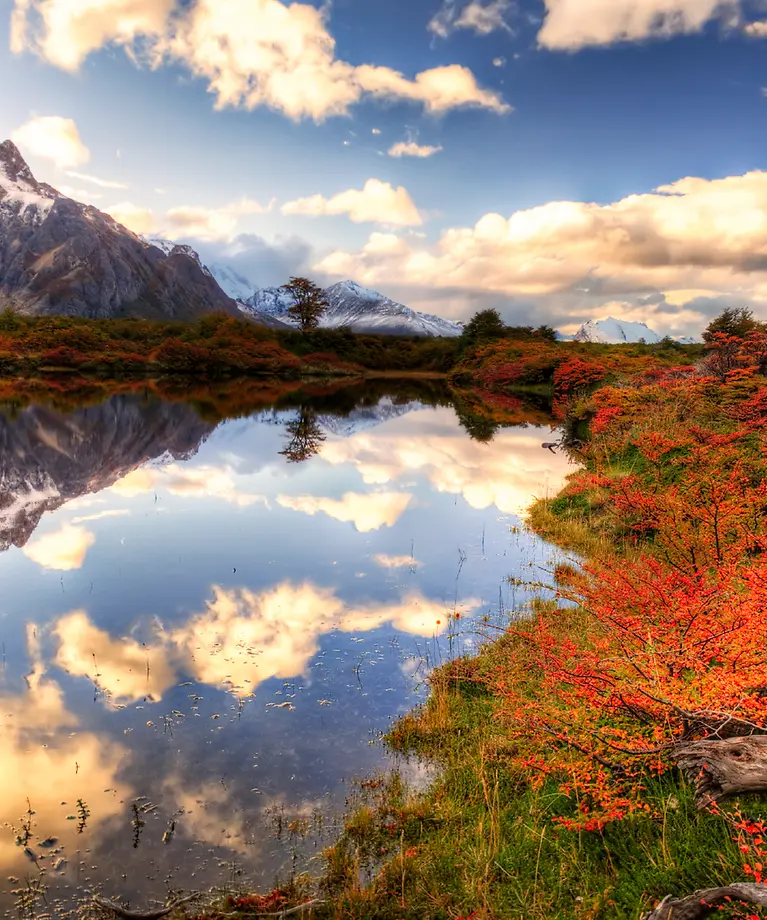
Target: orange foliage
[{"x": 659, "y": 638}]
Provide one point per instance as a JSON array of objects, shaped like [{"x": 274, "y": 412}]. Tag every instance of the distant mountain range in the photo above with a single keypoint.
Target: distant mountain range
[
  {"x": 59, "y": 256},
  {"x": 612, "y": 331},
  {"x": 359, "y": 309}
]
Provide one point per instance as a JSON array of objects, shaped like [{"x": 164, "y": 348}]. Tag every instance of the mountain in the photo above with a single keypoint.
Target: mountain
[
  {"x": 48, "y": 458},
  {"x": 359, "y": 309},
  {"x": 58, "y": 256},
  {"x": 612, "y": 331},
  {"x": 231, "y": 282}
]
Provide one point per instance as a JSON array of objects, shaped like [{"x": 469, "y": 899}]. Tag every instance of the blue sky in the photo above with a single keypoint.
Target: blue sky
[{"x": 534, "y": 137}]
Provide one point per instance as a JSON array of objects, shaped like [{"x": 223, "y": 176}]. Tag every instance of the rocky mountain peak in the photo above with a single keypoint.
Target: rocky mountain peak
[{"x": 14, "y": 166}]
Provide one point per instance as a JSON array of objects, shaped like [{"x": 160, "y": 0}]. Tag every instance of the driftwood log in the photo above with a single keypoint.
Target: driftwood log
[
  {"x": 723, "y": 769},
  {"x": 704, "y": 903}
]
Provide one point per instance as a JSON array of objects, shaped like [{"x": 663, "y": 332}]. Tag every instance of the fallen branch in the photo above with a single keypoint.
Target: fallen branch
[
  {"x": 723, "y": 769},
  {"x": 294, "y": 910},
  {"x": 704, "y": 903},
  {"x": 126, "y": 914}
]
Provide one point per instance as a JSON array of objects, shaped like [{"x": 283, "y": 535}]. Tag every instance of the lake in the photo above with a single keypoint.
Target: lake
[{"x": 206, "y": 626}]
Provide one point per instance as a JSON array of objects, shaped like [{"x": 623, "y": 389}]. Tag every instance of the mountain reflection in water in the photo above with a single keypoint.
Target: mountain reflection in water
[{"x": 206, "y": 625}]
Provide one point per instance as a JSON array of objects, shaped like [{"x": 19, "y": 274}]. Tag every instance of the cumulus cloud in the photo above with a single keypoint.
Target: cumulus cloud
[
  {"x": 377, "y": 202},
  {"x": 244, "y": 637},
  {"x": 756, "y": 29},
  {"x": 124, "y": 668},
  {"x": 140, "y": 220},
  {"x": 694, "y": 234},
  {"x": 251, "y": 53},
  {"x": 570, "y": 25},
  {"x": 508, "y": 473},
  {"x": 65, "y": 32},
  {"x": 53, "y": 138},
  {"x": 187, "y": 482},
  {"x": 482, "y": 18},
  {"x": 239, "y": 640},
  {"x": 267, "y": 263},
  {"x": 366, "y": 512},
  {"x": 394, "y": 562},
  {"x": 189, "y": 221},
  {"x": 63, "y": 550},
  {"x": 39, "y": 741},
  {"x": 411, "y": 149}
]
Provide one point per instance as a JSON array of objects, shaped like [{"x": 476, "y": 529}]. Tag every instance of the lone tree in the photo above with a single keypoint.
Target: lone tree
[
  {"x": 309, "y": 302},
  {"x": 485, "y": 325},
  {"x": 305, "y": 437}
]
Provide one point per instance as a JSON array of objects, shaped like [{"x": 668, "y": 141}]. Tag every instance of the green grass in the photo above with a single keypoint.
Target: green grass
[{"x": 481, "y": 840}]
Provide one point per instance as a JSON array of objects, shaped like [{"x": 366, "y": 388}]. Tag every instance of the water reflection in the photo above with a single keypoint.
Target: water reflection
[{"x": 206, "y": 622}]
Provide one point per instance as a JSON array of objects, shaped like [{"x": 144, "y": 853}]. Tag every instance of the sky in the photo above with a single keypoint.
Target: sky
[{"x": 559, "y": 160}]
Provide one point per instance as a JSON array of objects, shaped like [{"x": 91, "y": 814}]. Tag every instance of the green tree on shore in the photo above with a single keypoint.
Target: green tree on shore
[
  {"x": 483, "y": 326},
  {"x": 309, "y": 302},
  {"x": 735, "y": 321}
]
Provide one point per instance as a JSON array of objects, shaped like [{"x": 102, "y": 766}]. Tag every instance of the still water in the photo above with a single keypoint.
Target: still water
[{"x": 205, "y": 627}]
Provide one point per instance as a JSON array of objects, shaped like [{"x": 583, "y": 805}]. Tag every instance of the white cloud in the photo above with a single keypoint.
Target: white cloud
[
  {"x": 376, "y": 131},
  {"x": 124, "y": 668},
  {"x": 394, "y": 562},
  {"x": 251, "y": 53},
  {"x": 366, "y": 512},
  {"x": 411, "y": 149},
  {"x": 693, "y": 234},
  {"x": 239, "y": 640},
  {"x": 482, "y": 18},
  {"x": 46, "y": 756},
  {"x": 756, "y": 29},
  {"x": 245, "y": 637},
  {"x": 54, "y": 138},
  {"x": 187, "y": 482},
  {"x": 573, "y": 24},
  {"x": 65, "y": 32},
  {"x": 508, "y": 473},
  {"x": 95, "y": 180},
  {"x": 188, "y": 221},
  {"x": 499, "y": 62},
  {"x": 440, "y": 89},
  {"x": 376, "y": 202},
  {"x": 63, "y": 550},
  {"x": 100, "y": 515},
  {"x": 139, "y": 220},
  {"x": 83, "y": 195}
]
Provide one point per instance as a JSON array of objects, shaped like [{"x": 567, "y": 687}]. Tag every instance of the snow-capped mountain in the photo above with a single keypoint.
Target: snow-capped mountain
[
  {"x": 237, "y": 286},
  {"x": 359, "y": 309},
  {"x": 365, "y": 418},
  {"x": 48, "y": 458},
  {"x": 59, "y": 256},
  {"x": 612, "y": 331}
]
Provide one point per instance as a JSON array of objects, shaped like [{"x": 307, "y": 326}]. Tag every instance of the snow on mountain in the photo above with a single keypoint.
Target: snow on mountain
[
  {"x": 612, "y": 331},
  {"x": 231, "y": 282},
  {"x": 169, "y": 248},
  {"x": 21, "y": 195},
  {"x": 59, "y": 256},
  {"x": 359, "y": 309},
  {"x": 272, "y": 301}
]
